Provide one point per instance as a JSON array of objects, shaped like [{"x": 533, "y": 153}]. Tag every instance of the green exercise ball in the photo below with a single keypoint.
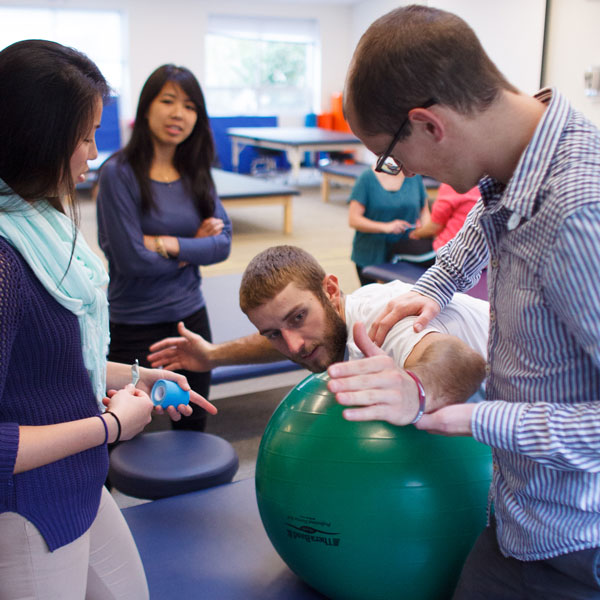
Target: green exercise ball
[{"x": 368, "y": 510}]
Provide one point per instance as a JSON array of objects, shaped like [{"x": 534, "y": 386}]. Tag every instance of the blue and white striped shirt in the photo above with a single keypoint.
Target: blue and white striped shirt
[{"x": 541, "y": 236}]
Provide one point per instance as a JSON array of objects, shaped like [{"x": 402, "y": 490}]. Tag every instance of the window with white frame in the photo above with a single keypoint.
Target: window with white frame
[
  {"x": 258, "y": 66},
  {"x": 96, "y": 33}
]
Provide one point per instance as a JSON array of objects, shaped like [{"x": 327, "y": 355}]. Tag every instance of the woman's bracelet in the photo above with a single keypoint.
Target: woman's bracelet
[
  {"x": 105, "y": 429},
  {"x": 160, "y": 247},
  {"x": 108, "y": 412}
]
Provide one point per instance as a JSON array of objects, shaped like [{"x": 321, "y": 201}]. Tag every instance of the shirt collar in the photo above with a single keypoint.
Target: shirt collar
[{"x": 520, "y": 194}]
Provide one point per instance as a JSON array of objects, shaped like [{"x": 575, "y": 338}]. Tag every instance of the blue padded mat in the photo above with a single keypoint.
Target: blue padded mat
[{"x": 211, "y": 544}]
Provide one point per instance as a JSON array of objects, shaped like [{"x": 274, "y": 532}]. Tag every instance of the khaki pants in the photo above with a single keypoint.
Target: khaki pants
[{"x": 102, "y": 564}]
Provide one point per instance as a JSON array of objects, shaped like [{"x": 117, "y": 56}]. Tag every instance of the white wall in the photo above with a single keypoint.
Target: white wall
[
  {"x": 162, "y": 31},
  {"x": 173, "y": 31},
  {"x": 514, "y": 44},
  {"x": 574, "y": 45}
]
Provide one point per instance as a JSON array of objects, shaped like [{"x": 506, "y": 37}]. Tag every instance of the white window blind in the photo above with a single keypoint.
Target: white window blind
[
  {"x": 97, "y": 33},
  {"x": 261, "y": 66}
]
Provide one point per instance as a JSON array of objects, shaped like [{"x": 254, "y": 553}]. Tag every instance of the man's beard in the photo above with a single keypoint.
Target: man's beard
[{"x": 334, "y": 340}]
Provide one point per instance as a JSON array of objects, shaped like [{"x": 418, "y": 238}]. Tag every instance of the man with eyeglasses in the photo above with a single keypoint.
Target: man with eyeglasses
[{"x": 423, "y": 95}]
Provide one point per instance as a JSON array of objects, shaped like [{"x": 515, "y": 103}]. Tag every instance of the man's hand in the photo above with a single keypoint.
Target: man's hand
[
  {"x": 450, "y": 420},
  {"x": 385, "y": 392},
  {"x": 411, "y": 303},
  {"x": 189, "y": 352}
]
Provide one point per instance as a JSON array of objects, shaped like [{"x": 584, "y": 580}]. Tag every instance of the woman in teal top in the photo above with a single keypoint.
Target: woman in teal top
[{"x": 383, "y": 209}]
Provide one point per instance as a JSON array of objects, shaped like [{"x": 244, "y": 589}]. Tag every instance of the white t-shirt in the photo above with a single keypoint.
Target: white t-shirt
[{"x": 465, "y": 317}]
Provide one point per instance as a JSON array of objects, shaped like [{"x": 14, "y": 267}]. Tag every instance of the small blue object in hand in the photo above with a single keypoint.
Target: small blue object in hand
[{"x": 167, "y": 393}]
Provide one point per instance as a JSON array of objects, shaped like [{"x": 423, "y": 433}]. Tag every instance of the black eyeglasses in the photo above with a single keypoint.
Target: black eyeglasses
[{"x": 387, "y": 163}]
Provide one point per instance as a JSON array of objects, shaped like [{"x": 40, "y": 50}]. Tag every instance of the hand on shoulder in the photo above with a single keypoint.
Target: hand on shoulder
[{"x": 405, "y": 305}]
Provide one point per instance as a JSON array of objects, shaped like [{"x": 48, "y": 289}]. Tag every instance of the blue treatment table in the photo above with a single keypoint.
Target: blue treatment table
[
  {"x": 235, "y": 189},
  {"x": 410, "y": 272},
  {"x": 293, "y": 140},
  {"x": 211, "y": 544}
]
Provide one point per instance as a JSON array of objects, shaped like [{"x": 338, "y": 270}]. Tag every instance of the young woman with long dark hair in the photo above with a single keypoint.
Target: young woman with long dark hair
[
  {"x": 159, "y": 220},
  {"x": 61, "y": 533}
]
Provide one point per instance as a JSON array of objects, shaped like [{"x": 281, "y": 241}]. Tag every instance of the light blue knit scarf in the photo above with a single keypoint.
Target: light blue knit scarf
[{"x": 44, "y": 237}]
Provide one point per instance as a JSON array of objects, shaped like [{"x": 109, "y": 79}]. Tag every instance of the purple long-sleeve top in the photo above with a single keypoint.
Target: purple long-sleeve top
[{"x": 145, "y": 287}]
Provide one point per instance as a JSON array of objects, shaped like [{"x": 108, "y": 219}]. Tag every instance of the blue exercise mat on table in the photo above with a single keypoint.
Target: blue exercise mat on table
[{"x": 211, "y": 544}]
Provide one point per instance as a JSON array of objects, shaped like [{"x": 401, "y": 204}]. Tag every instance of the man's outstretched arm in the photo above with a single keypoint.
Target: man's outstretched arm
[{"x": 193, "y": 353}]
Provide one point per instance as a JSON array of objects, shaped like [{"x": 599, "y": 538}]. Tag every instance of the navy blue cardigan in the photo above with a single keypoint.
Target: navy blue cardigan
[{"x": 43, "y": 381}]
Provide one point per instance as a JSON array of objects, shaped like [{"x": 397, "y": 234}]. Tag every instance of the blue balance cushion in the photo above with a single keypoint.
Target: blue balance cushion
[{"x": 166, "y": 463}]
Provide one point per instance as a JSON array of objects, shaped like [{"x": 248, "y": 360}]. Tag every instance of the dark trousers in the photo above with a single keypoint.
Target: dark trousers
[
  {"x": 128, "y": 342},
  {"x": 364, "y": 280},
  {"x": 413, "y": 251},
  {"x": 488, "y": 575}
]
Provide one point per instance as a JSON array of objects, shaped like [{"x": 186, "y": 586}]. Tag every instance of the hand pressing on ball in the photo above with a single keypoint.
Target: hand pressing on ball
[
  {"x": 450, "y": 420},
  {"x": 374, "y": 386}
]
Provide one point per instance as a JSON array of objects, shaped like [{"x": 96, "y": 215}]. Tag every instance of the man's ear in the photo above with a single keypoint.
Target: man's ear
[
  {"x": 431, "y": 123},
  {"x": 331, "y": 287}
]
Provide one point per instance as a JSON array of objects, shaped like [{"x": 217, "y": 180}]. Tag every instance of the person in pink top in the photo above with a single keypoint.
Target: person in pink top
[{"x": 448, "y": 214}]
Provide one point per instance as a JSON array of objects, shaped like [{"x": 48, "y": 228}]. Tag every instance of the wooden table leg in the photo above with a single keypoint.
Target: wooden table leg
[
  {"x": 287, "y": 215},
  {"x": 325, "y": 187}
]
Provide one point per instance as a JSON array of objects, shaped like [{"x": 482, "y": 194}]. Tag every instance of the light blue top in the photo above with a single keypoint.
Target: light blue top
[
  {"x": 542, "y": 418},
  {"x": 384, "y": 205}
]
